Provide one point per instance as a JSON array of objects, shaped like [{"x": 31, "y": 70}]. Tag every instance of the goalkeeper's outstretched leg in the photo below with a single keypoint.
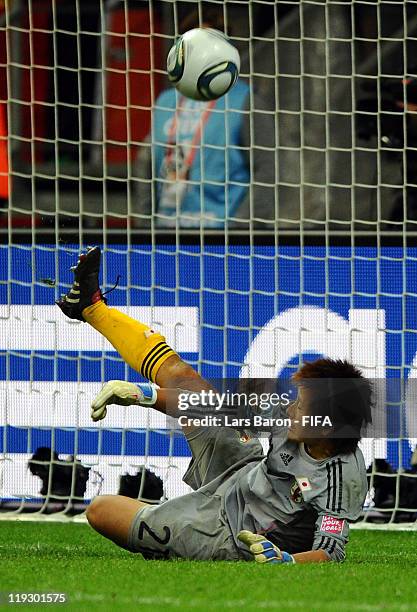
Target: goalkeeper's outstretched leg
[{"x": 143, "y": 349}]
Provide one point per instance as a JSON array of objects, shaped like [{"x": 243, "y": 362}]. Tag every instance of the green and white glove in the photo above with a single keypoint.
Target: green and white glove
[
  {"x": 122, "y": 393},
  {"x": 263, "y": 550}
]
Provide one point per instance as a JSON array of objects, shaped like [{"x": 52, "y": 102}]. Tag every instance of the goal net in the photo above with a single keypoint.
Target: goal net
[{"x": 290, "y": 233}]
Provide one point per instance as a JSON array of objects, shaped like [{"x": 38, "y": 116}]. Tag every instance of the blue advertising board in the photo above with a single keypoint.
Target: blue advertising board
[{"x": 359, "y": 303}]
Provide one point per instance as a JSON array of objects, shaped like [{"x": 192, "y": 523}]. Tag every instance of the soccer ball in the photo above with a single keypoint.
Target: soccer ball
[{"x": 202, "y": 64}]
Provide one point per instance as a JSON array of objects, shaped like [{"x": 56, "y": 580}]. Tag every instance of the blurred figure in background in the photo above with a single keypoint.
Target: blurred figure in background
[
  {"x": 197, "y": 164},
  {"x": 152, "y": 490}
]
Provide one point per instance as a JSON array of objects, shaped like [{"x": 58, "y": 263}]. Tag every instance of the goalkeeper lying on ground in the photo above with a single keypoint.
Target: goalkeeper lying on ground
[{"x": 298, "y": 499}]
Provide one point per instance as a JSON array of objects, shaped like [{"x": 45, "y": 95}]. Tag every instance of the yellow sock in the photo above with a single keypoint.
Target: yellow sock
[{"x": 143, "y": 349}]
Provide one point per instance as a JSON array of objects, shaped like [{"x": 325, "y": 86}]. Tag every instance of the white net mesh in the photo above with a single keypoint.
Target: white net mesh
[{"x": 299, "y": 196}]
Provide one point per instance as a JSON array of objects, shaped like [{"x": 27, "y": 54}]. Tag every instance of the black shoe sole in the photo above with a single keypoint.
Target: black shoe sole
[{"x": 85, "y": 290}]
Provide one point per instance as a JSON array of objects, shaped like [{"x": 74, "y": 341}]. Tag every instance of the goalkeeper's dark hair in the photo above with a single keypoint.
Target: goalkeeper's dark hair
[{"x": 342, "y": 393}]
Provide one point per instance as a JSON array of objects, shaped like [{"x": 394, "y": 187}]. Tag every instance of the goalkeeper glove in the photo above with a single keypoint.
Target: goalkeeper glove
[
  {"x": 124, "y": 394},
  {"x": 263, "y": 550}
]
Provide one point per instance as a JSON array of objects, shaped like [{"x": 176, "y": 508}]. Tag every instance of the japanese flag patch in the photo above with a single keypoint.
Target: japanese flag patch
[
  {"x": 331, "y": 524},
  {"x": 303, "y": 483}
]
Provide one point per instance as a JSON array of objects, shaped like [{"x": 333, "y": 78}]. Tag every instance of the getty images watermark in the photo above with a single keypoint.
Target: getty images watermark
[
  {"x": 263, "y": 411},
  {"x": 339, "y": 408}
]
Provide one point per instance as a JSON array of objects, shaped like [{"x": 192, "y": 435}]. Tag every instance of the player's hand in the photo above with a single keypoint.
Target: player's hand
[
  {"x": 263, "y": 550},
  {"x": 124, "y": 394}
]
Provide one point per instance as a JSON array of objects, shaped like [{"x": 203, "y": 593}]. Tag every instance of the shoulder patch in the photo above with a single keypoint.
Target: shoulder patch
[{"x": 331, "y": 524}]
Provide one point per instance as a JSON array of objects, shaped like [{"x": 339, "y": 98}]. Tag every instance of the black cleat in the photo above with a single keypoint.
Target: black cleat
[{"x": 85, "y": 290}]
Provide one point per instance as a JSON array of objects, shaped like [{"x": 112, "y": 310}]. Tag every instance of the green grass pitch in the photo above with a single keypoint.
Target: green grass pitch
[{"x": 379, "y": 574}]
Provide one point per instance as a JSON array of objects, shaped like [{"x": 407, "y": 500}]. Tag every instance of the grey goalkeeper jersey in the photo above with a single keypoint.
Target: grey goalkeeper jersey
[{"x": 300, "y": 503}]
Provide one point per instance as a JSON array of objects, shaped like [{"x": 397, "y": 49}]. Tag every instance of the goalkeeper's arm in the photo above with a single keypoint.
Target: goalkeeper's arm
[
  {"x": 171, "y": 402},
  {"x": 264, "y": 551}
]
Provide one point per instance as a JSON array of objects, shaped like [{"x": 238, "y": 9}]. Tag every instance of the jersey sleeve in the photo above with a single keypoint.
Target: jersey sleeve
[
  {"x": 337, "y": 496},
  {"x": 331, "y": 535}
]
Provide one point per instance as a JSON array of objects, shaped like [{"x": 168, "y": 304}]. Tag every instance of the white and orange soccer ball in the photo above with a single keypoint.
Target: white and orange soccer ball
[{"x": 203, "y": 64}]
